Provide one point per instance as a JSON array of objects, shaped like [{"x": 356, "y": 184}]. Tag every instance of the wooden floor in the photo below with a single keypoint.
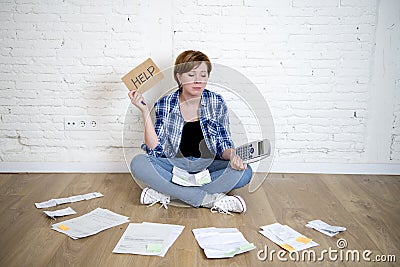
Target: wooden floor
[{"x": 367, "y": 205}]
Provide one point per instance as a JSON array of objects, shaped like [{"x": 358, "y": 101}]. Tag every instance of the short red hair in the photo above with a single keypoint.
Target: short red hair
[{"x": 188, "y": 60}]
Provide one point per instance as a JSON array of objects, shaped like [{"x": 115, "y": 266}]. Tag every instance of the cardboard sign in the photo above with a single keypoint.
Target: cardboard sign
[{"x": 143, "y": 77}]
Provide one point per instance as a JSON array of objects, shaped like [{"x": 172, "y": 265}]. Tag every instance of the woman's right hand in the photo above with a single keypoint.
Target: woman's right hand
[
  {"x": 137, "y": 100},
  {"x": 150, "y": 135}
]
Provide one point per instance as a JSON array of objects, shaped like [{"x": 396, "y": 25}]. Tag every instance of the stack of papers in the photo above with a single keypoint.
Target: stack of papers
[
  {"x": 325, "y": 228},
  {"x": 148, "y": 238},
  {"x": 59, "y": 213},
  {"x": 59, "y": 201},
  {"x": 184, "y": 178},
  {"x": 222, "y": 242},
  {"x": 90, "y": 223},
  {"x": 286, "y": 237}
]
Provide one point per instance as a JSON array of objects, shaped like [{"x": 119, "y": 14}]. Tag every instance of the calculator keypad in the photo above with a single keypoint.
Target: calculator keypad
[{"x": 245, "y": 152}]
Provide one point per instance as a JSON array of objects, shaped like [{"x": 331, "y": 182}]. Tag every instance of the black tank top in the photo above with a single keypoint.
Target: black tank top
[{"x": 192, "y": 142}]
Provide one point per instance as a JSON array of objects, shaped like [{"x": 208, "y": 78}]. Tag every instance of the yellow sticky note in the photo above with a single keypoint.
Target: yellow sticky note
[
  {"x": 63, "y": 227},
  {"x": 287, "y": 247},
  {"x": 303, "y": 239}
]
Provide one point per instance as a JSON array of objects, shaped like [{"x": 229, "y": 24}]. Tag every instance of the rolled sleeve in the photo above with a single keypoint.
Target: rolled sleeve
[
  {"x": 224, "y": 140},
  {"x": 224, "y": 145},
  {"x": 158, "y": 151}
]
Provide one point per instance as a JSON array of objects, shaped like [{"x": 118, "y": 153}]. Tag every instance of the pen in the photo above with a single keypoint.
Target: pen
[{"x": 143, "y": 103}]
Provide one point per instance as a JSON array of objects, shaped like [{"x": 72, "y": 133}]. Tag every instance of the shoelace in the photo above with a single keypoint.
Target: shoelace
[
  {"x": 224, "y": 208},
  {"x": 163, "y": 201},
  {"x": 220, "y": 210}
]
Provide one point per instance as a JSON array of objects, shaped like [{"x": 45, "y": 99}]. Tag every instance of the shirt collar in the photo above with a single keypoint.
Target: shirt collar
[
  {"x": 203, "y": 102},
  {"x": 204, "y": 99}
]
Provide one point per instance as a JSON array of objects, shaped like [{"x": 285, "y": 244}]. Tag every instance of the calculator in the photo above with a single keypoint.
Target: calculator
[{"x": 254, "y": 151}]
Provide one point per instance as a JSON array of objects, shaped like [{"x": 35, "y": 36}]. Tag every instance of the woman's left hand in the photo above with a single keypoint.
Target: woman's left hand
[{"x": 237, "y": 163}]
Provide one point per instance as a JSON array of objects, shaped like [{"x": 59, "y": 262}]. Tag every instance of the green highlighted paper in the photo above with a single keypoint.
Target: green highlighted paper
[
  {"x": 154, "y": 248},
  {"x": 153, "y": 239},
  {"x": 242, "y": 249},
  {"x": 222, "y": 242},
  {"x": 184, "y": 178}
]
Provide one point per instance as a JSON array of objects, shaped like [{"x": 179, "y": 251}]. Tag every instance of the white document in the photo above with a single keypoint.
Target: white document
[
  {"x": 148, "y": 239},
  {"x": 222, "y": 242},
  {"x": 90, "y": 223},
  {"x": 59, "y": 201},
  {"x": 325, "y": 228},
  {"x": 46, "y": 204},
  {"x": 184, "y": 178},
  {"x": 286, "y": 237},
  {"x": 59, "y": 213}
]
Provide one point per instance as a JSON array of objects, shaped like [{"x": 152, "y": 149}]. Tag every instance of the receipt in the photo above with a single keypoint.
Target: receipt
[
  {"x": 59, "y": 201},
  {"x": 59, "y": 213}
]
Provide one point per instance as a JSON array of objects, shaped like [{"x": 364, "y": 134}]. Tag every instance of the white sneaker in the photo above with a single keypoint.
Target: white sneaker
[
  {"x": 151, "y": 196},
  {"x": 226, "y": 204}
]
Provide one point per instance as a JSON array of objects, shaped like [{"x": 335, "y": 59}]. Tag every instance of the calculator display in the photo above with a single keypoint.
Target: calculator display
[{"x": 254, "y": 151}]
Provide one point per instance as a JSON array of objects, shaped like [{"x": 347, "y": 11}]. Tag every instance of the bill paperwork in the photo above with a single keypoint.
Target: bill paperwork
[
  {"x": 222, "y": 242},
  {"x": 148, "y": 238},
  {"x": 286, "y": 237},
  {"x": 89, "y": 224}
]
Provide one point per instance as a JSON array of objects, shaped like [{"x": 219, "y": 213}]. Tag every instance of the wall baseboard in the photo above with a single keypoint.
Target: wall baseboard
[
  {"x": 336, "y": 168},
  {"x": 277, "y": 167}
]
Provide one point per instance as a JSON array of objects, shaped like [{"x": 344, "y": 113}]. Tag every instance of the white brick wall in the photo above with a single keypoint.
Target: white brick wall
[
  {"x": 395, "y": 132},
  {"x": 317, "y": 64}
]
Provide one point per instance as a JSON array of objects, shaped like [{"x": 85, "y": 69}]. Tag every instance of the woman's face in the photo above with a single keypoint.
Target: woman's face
[{"x": 194, "y": 81}]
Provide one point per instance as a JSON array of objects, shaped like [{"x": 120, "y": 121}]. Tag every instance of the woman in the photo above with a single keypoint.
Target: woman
[{"x": 191, "y": 132}]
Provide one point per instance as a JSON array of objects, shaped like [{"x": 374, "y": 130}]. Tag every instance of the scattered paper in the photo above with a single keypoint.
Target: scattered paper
[
  {"x": 59, "y": 201},
  {"x": 148, "y": 238},
  {"x": 90, "y": 223},
  {"x": 325, "y": 228},
  {"x": 184, "y": 178},
  {"x": 286, "y": 237},
  {"x": 222, "y": 242},
  {"x": 59, "y": 213}
]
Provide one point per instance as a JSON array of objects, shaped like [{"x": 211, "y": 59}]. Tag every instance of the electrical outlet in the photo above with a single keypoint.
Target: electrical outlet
[{"x": 81, "y": 123}]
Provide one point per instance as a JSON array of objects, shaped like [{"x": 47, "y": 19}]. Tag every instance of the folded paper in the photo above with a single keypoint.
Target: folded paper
[
  {"x": 222, "y": 242},
  {"x": 325, "y": 228},
  {"x": 286, "y": 237}
]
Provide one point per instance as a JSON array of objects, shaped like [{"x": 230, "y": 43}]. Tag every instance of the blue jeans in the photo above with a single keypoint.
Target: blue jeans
[{"x": 157, "y": 174}]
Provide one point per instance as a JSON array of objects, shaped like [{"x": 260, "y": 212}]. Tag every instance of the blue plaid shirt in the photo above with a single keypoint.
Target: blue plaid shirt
[{"x": 214, "y": 123}]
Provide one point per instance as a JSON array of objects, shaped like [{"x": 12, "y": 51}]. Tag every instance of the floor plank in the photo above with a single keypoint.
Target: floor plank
[{"x": 367, "y": 205}]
